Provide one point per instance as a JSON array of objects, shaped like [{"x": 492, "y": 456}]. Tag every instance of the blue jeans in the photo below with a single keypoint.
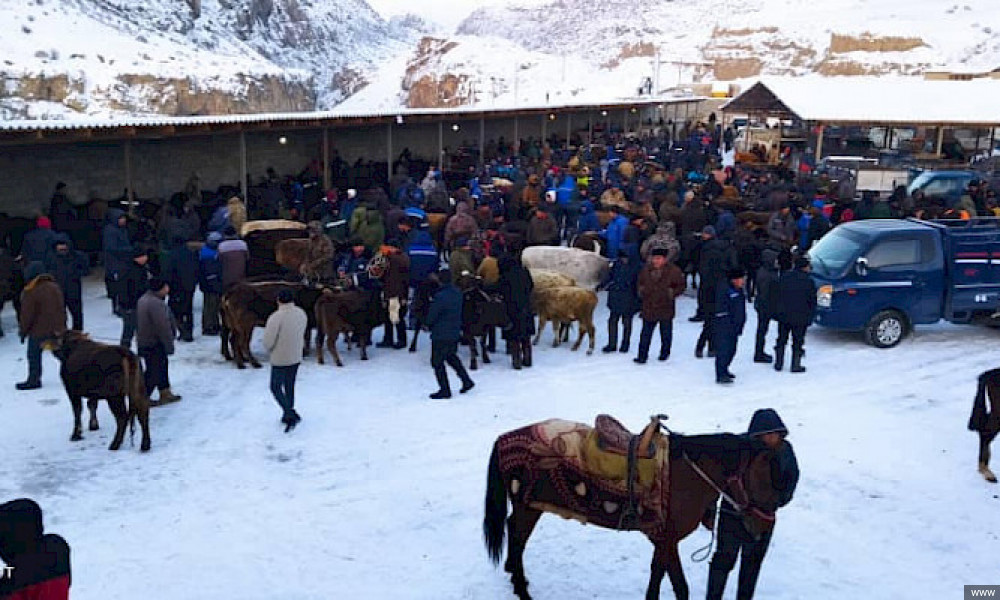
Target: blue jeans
[{"x": 283, "y": 388}]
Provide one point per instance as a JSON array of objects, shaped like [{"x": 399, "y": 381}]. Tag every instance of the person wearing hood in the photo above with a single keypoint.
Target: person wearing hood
[
  {"x": 766, "y": 301},
  {"x": 515, "y": 287},
  {"x": 155, "y": 332},
  {"x": 180, "y": 271},
  {"x": 38, "y": 563},
  {"x": 38, "y": 242},
  {"x": 461, "y": 225},
  {"x": 623, "y": 299},
  {"x": 68, "y": 267},
  {"x": 42, "y": 318},
  {"x": 818, "y": 225},
  {"x": 735, "y": 541},
  {"x": 542, "y": 230},
  {"x": 366, "y": 223},
  {"x": 444, "y": 319},
  {"x": 134, "y": 283},
  {"x": 210, "y": 282},
  {"x": 665, "y": 238},
  {"x": 461, "y": 260},
  {"x": 796, "y": 307},
  {"x": 118, "y": 250}
]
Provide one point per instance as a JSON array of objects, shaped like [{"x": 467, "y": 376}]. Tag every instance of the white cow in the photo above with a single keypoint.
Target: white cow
[{"x": 586, "y": 268}]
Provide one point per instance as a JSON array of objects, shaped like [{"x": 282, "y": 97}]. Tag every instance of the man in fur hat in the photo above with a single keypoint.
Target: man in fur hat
[{"x": 734, "y": 539}]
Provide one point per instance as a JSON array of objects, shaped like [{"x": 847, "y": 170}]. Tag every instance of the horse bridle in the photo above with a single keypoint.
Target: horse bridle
[{"x": 734, "y": 483}]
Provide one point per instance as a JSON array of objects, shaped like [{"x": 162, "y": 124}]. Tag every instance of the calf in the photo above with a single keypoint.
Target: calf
[
  {"x": 98, "y": 371},
  {"x": 985, "y": 418},
  {"x": 247, "y": 305},
  {"x": 588, "y": 269},
  {"x": 355, "y": 311},
  {"x": 562, "y": 306}
]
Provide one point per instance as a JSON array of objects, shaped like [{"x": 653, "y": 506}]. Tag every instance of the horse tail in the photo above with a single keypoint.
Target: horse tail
[
  {"x": 135, "y": 388},
  {"x": 496, "y": 508},
  {"x": 977, "y": 421}
]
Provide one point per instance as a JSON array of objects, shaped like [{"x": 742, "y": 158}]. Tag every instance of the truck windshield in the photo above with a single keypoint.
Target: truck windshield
[
  {"x": 835, "y": 252},
  {"x": 919, "y": 182}
]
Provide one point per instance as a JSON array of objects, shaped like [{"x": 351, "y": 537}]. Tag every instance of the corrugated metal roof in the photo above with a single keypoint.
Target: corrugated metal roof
[
  {"x": 889, "y": 100},
  {"x": 333, "y": 115}
]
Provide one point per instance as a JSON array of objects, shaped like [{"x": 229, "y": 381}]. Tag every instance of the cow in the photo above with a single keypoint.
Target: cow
[
  {"x": 247, "y": 305},
  {"x": 262, "y": 244},
  {"x": 985, "y": 419},
  {"x": 586, "y": 268},
  {"x": 291, "y": 253},
  {"x": 355, "y": 311},
  {"x": 562, "y": 306},
  {"x": 97, "y": 371}
]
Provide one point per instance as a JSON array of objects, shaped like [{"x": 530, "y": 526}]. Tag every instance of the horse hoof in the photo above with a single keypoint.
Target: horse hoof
[
  {"x": 589, "y": 352},
  {"x": 93, "y": 426},
  {"x": 76, "y": 437},
  {"x": 114, "y": 447},
  {"x": 145, "y": 446},
  {"x": 413, "y": 349},
  {"x": 240, "y": 366},
  {"x": 340, "y": 364}
]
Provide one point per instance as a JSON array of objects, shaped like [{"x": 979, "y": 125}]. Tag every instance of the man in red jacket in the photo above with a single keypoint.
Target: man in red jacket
[{"x": 38, "y": 565}]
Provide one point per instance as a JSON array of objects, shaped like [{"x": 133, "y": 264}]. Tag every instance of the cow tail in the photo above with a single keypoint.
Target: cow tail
[
  {"x": 135, "y": 387},
  {"x": 977, "y": 421}
]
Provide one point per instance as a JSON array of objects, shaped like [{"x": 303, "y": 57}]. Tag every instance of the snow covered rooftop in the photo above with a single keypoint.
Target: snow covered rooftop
[
  {"x": 893, "y": 100},
  {"x": 330, "y": 116}
]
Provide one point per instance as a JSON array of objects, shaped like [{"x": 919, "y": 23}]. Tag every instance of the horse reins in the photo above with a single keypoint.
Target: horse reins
[{"x": 709, "y": 481}]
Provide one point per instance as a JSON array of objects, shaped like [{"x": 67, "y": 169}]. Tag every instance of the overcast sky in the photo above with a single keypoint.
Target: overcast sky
[{"x": 448, "y": 13}]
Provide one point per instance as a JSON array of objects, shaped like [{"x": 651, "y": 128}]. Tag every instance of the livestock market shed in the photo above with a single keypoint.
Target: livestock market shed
[
  {"x": 920, "y": 118},
  {"x": 152, "y": 157}
]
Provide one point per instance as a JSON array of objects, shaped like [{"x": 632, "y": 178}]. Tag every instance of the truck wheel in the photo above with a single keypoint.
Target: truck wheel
[{"x": 886, "y": 329}]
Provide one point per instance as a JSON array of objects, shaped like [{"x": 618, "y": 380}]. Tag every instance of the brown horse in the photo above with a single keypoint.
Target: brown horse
[
  {"x": 986, "y": 419},
  {"x": 553, "y": 466}
]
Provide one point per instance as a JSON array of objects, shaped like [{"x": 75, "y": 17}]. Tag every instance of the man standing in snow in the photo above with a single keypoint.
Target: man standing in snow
[
  {"x": 283, "y": 339},
  {"x": 155, "y": 332},
  {"x": 727, "y": 324},
  {"x": 444, "y": 319},
  {"x": 767, "y": 427}
]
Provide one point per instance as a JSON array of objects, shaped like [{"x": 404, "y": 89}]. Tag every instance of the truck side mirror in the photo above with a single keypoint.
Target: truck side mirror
[{"x": 861, "y": 266}]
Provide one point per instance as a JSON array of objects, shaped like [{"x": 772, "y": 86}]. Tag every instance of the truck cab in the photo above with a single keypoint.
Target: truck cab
[
  {"x": 883, "y": 276},
  {"x": 880, "y": 277},
  {"x": 949, "y": 185}
]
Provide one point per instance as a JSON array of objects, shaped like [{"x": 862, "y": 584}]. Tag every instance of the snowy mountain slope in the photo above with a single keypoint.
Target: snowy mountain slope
[{"x": 128, "y": 55}]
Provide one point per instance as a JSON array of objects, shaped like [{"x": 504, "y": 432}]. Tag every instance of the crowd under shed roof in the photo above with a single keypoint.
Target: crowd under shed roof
[{"x": 903, "y": 101}]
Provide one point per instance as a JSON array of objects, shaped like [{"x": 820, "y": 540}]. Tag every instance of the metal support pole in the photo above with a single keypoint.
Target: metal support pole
[
  {"x": 978, "y": 135},
  {"x": 590, "y": 127},
  {"x": 545, "y": 128},
  {"x": 129, "y": 184},
  {"x": 940, "y": 141},
  {"x": 243, "y": 164},
  {"x": 819, "y": 143},
  {"x": 327, "y": 182},
  {"x": 482, "y": 141},
  {"x": 388, "y": 151},
  {"x": 993, "y": 138},
  {"x": 441, "y": 145},
  {"x": 569, "y": 128},
  {"x": 517, "y": 137}
]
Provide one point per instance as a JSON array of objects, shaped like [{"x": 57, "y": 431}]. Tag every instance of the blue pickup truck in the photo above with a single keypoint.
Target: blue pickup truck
[{"x": 883, "y": 276}]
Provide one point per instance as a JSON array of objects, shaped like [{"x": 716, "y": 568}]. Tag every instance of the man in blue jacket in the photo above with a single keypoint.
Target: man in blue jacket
[
  {"x": 444, "y": 319},
  {"x": 210, "y": 282},
  {"x": 615, "y": 233},
  {"x": 727, "y": 326},
  {"x": 734, "y": 539}
]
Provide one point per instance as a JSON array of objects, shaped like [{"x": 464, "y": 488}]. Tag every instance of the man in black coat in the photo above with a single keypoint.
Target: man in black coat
[
  {"x": 444, "y": 319},
  {"x": 37, "y": 563},
  {"x": 68, "y": 267},
  {"x": 133, "y": 283},
  {"x": 795, "y": 311},
  {"x": 734, "y": 539},
  {"x": 766, "y": 301},
  {"x": 716, "y": 258},
  {"x": 622, "y": 284},
  {"x": 180, "y": 272},
  {"x": 727, "y": 324},
  {"x": 515, "y": 287}
]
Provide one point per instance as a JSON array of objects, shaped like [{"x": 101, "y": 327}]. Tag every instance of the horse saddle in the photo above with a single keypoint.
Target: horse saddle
[{"x": 613, "y": 437}]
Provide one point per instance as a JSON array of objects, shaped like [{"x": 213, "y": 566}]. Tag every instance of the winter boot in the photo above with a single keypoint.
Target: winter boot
[
  {"x": 797, "y": 363},
  {"x": 167, "y": 396},
  {"x": 28, "y": 385},
  {"x": 612, "y": 338},
  {"x": 526, "y": 353},
  {"x": 763, "y": 358},
  {"x": 626, "y": 337},
  {"x": 387, "y": 339},
  {"x": 400, "y": 336},
  {"x": 516, "y": 357},
  {"x": 444, "y": 388},
  {"x": 779, "y": 359}
]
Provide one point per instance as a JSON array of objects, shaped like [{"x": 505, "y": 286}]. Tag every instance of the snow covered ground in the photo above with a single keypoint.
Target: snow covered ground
[{"x": 379, "y": 493}]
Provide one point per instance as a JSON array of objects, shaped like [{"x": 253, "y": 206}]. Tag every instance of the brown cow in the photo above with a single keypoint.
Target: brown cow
[
  {"x": 98, "y": 371},
  {"x": 353, "y": 311},
  {"x": 291, "y": 253},
  {"x": 247, "y": 305}
]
